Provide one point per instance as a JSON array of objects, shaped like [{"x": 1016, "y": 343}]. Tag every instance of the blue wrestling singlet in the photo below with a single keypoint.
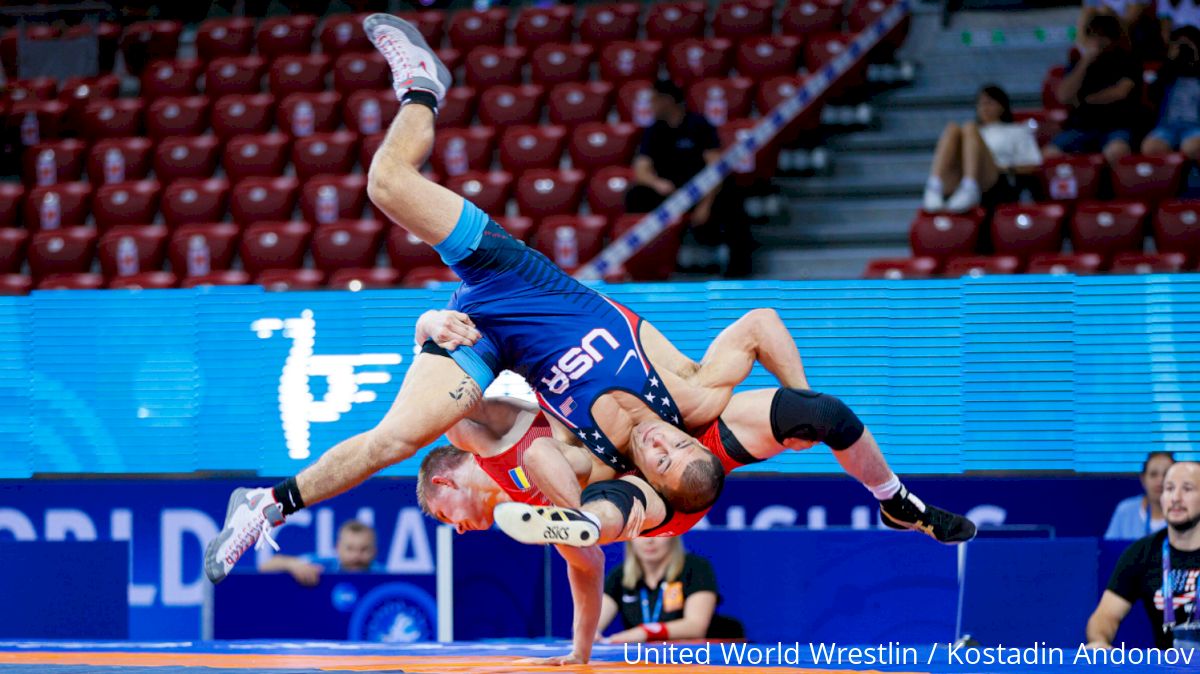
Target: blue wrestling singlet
[{"x": 571, "y": 343}]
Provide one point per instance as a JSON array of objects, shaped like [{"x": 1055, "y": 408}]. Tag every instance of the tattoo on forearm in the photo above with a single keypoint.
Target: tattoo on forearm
[{"x": 467, "y": 392}]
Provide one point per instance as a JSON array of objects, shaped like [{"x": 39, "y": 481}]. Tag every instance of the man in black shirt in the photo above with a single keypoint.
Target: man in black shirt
[
  {"x": 676, "y": 147},
  {"x": 1139, "y": 572}
]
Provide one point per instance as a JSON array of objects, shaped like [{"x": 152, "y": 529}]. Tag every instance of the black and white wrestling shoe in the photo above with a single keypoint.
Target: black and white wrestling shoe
[
  {"x": 906, "y": 511},
  {"x": 547, "y": 525}
]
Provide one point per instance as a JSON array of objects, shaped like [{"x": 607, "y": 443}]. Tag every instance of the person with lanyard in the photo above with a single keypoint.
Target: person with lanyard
[
  {"x": 661, "y": 592},
  {"x": 1139, "y": 516},
  {"x": 1161, "y": 570}
]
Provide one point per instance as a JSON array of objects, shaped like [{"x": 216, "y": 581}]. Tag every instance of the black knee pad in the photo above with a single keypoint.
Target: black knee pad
[
  {"x": 617, "y": 492},
  {"x": 808, "y": 415}
]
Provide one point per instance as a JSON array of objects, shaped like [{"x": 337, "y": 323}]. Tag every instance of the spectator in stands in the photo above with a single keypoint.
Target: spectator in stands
[
  {"x": 1139, "y": 516},
  {"x": 676, "y": 147},
  {"x": 1176, "y": 94},
  {"x": 982, "y": 157},
  {"x": 1102, "y": 92},
  {"x": 663, "y": 592},
  {"x": 355, "y": 553},
  {"x": 1137, "y": 19},
  {"x": 1175, "y": 14},
  {"x": 1140, "y": 571}
]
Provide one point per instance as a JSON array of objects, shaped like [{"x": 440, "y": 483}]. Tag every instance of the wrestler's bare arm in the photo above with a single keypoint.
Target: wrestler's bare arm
[{"x": 493, "y": 426}]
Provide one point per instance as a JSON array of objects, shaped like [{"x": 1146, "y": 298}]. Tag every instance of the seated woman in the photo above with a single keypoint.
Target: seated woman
[
  {"x": 1176, "y": 93},
  {"x": 663, "y": 592},
  {"x": 981, "y": 157}
]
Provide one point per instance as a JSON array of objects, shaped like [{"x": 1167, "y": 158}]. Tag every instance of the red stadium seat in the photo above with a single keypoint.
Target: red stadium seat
[
  {"x": 596, "y": 145},
  {"x": 175, "y": 77},
  {"x": 62, "y": 251},
  {"x": 1025, "y": 230},
  {"x": 1148, "y": 178},
  {"x": 863, "y": 13},
  {"x": 274, "y": 245},
  {"x": 56, "y": 206},
  {"x": 282, "y": 280},
  {"x": 177, "y": 117},
  {"x": 8, "y": 44},
  {"x": 190, "y": 200},
  {"x": 292, "y": 74},
  {"x": 12, "y": 197},
  {"x": 1045, "y": 124},
  {"x": 808, "y": 17},
  {"x": 1177, "y": 229},
  {"x": 544, "y": 192},
  {"x": 325, "y": 153},
  {"x": 635, "y": 102},
  {"x": 342, "y": 34},
  {"x": 239, "y": 114},
  {"x": 329, "y": 198},
  {"x": 35, "y": 121},
  {"x": 234, "y": 75},
  {"x": 1108, "y": 228},
  {"x": 259, "y": 198},
  {"x": 15, "y": 284},
  {"x": 116, "y": 118},
  {"x": 355, "y": 71},
  {"x": 942, "y": 235},
  {"x": 609, "y": 22},
  {"x": 529, "y": 147},
  {"x": 133, "y": 203},
  {"x": 432, "y": 276},
  {"x": 184, "y": 157},
  {"x": 624, "y": 61},
  {"x": 1148, "y": 263},
  {"x": 489, "y": 191},
  {"x": 470, "y": 28},
  {"x": 768, "y": 56},
  {"x": 13, "y": 243},
  {"x": 760, "y": 165},
  {"x": 282, "y": 35},
  {"x": 77, "y": 92},
  {"x": 823, "y": 48},
  {"x": 150, "y": 280},
  {"x": 456, "y": 151},
  {"x": 367, "y": 148},
  {"x": 721, "y": 99},
  {"x": 148, "y": 41},
  {"x": 518, "y": 226},
  {"x": 743, "y": 18},
  {"x": 305, "y": 114},
  {"x": 83, "y": 281},
  {"x": 574, "y": 103},
  {"x": 674, "y": 21},
  {"x": 199, "y": 248},
  {"x": 544, "y": 25},
  {"x": 370, "y": 111},
  {"x": 900, "y": 268},
  {"x": 555, "y": 63},
  {"x": 981, "y": 265},
  {"x": 407, "y": 252},
  {"x": 37, "y": 88},
  {"x": 364, "y": 278},
  {"x": 229, "y": 277},
  {"x": 655, "y": 261},
  {"x": 571, "y": 240},
  {"x": 1050, "y": 83},
  {"x": 430, "y": 22},
  {"x": 119, "y": 159},
  {"x": 606, "y": 190},
  {"x": 488, "y": 66},
  {"x": 255, "y": 155},
  {"x": 452, "y": 58},
  {"x": 232, "y": 36},
  {"x": 126, "y": 250},
  {"x": 1057, "y": 263},
  {"x": 54, "y": 161},
  {"x": 346, "y": 244},
  {"x": 458, "y": 109},
  {"x": 1071, "y": 177},
  {"x": 505, "y": 105}
]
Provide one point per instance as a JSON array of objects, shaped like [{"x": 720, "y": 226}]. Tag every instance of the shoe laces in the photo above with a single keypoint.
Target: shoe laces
[
  {"x": 393, "y": 52},
  {"x": 257, "y": 530}
]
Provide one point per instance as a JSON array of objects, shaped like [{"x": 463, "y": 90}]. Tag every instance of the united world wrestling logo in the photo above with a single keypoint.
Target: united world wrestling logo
[{"x": 395, "y": 613}]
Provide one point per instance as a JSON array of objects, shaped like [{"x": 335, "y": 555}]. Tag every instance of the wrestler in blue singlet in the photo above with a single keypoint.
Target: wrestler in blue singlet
[{"x": 571, "y": 343}]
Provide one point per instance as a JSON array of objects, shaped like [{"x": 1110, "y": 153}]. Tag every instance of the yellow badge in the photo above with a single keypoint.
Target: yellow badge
[{"x": 673, "y": 597}]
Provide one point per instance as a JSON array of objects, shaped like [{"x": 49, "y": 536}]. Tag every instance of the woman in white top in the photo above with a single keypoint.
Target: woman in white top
[{"x": 972, "y": 159}]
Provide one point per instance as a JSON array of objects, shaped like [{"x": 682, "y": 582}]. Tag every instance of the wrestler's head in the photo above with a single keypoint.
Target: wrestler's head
[
  {"x": 1181, "y": 496},
  {"x": 451, "y": 488},
  {"x": 684, "y": 471}
]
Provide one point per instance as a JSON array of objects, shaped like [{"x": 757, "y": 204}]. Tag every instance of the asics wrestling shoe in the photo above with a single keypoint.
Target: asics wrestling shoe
[
  {"x": 906, "y": 511},
  {"x": 249, "y": 519},
  {"x": 547, "y": 525},
  {"x": 414, "y": 65}
]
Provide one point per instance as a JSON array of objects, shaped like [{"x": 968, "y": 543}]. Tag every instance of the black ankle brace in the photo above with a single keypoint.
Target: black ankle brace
[
  {"x": 420, "y": 98},
  {"x": 287, "y": 494}
]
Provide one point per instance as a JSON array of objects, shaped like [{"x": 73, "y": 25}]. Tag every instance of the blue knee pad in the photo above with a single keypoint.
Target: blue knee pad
[{"x": 465, "y": 237}]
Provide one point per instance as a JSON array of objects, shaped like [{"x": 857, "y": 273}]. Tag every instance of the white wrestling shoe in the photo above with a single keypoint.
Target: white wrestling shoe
[
  {"x": 414, "y": 65},
  {"x": 249, "y": 519},
  {"x": 546, "y": 525}
]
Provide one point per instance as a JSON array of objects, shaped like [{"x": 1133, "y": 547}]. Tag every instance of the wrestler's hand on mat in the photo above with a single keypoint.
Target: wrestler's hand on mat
[
  {"x": 448, "y": 329},
  {"x": 555, "y": 661}
]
